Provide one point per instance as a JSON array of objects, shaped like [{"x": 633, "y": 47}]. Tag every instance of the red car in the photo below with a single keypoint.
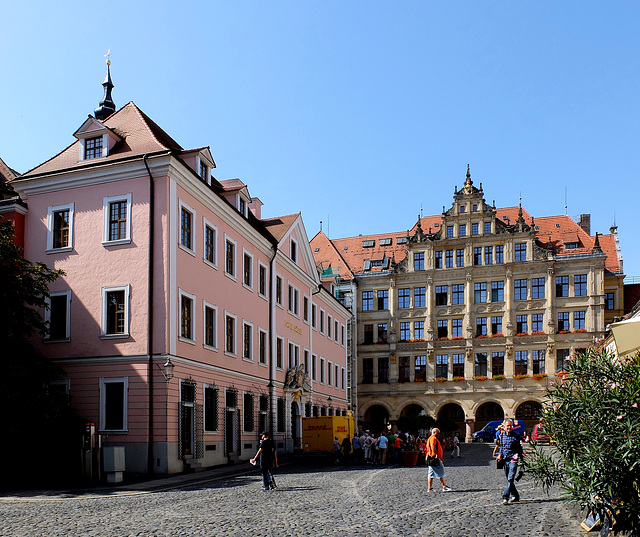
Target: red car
[{"x": 538, "y": 433}]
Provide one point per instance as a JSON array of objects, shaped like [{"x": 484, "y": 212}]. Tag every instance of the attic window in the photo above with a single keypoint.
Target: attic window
[
  {"x": 570, "y": 245},
  {"x": 386, "y": 242},
  {"x": 537, "y": 228},
  {"x": 474, "y": 208},
  {"x": 367, "y": 264},
  {"x": 401, "y": 240},
  {"x": 93, "y": 148},
  {"x": 203, "y": 171},
  {"x": 557, "y": 225},
  {"x": 505, "y": 218},
  {"x": 242, "y": 207},
  {"x": 436, "y": 225},
  {"x": 316, "y": 249},
  {"x": 368, "y": 244},
  {"x": 462, "y": 208},
  {"x": 345, "y": 248},
  {"x": 377, "y": 263}
]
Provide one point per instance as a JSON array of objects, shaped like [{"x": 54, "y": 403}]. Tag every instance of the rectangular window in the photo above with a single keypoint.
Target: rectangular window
[
  {"x": 457, "y": 293},
  {"x": 479, "y": 292},
  {"x": 383, "y": 300},
  {"x": 537, "y": 288},
  {"x": 305, "y": 309},
  {"x": 230, "y": 258},
  {"x": 499, "y": 254},
  {"x": 521, "y": 251},
  {"x": 480, "y": 365},
  {"x": 367, "y": 301},
  {"x": 294, "y": 301},
  {"x": 487, "y": 228},
  {"x": 404, "y": 298},
  {"x": 279, "y": 291},
  {"x": 230, "y": 334},
  {"x": 113, "y": 404},
  {"x": 118, "y": 218},
  {"x": 404, "y": 369},
  {"x": 279, "y": 353},
  {"x": 420, "y": 369},
  {"x": 449, "y": 258},
  {"x": 562, "y": 286},
  {"x": 368, "y": 334},
  {"x": 460, "y": 257},
  {"x": 442, "y": 366},
  {"x": 488, "y": 255},
  {"x": 441, "y": 295},
  {"x": 563, "y": 321},
  {"x": 520, "y": 289},
  {"x": 262, "y": 280},
  {"x": 210, "y": 326},
  {"x": 474, "y": 229},
  {"x": 418, "y": 330},
  {"x": 481, "y": 326},
  {"x": 314, "y": 367},
  {"x": 93, "y": 148},
  {"x": 186, "y": 228},
  {"x": 578, "y": 320},
  {"x": 335, "y": 331},
  {"x": 248, "y": 412},
  {"x": 367, "y": 370},
  {"x": 608, "y": 301},
  {"x": 294, "y": 251},
  {"x": 449, "y": 231},
  {"x": 497, "y": 291},
  {"x": 210, "y": 244},
  {"x": 210, "y": 409},
  {"x": 336, "y": 377},
  {"x": 383, "y": 370},
  {"x": 322, "y": 371},
  {"x": 262, "y": 335},
  {"x": 57, "y": 316},
  {"x": 247, "y": 342},
  {"x": 456, "y": 328},
  {"x": 536, "y": 322},
  {"x": 538, "y": 359},
  {"x": 405, "y": 331},
  {"x": 443, "y": 332},
  {"x": 60, "y": 227},
  {"x": 580, "y": 285},
  {"x": 382, "y": 333},
  {"x": 419, "y": 297},
  {"x": 457, "y": 365},
  {"x": 115, "y": 311},
  {"x": 462, "y": 230},
  {"x": 438, "y": 260},
  {"x": 521, "y": 363},
  {"x": 247, "y": 270},
  {"x": 321, "y": 321},
  {"x": 496, "y": 325},
  {"x": 497, "y": 363},
  {"x": 418, "y": 261},
  {"x": 329, "y": 326},
  {"x": 186, "y": 317},
  {"x": 477, "y": 256},
  {"x": 562, "y": 357},
  {"x": 203, "y": 171},
  {"x": 521, "y": 324}
]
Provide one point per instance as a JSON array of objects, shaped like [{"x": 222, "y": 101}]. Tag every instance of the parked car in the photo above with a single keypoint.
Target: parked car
[
  {"x": 538, "y": 434},
  {"x": 488, "y": 432}
]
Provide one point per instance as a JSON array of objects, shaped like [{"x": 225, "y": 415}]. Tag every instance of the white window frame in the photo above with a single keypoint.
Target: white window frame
[
  {"x": 206, "y": 305},
  {"x": 125, "y": 423},
  {"x": 103, "y": 308},
  {"x": 71, "y": 208},
  {"x": 249, "y": 358},
  {"x": 266, "y": 347},
  {"x": 266, "y": 280},
  {"x": 194, "y": 238},
  {"x": 233, "y": 276},
  {"x": 47, "y": 314},
  {"x": 106, "y": 202},
  {"x": 308, "y": 318},
  {"x": 293, "y": 305},
  {"x": 293, "y": 251},
  {"x": 329, "y": 373},
  {"x": 192, "y": 339},
  {"x": 206, "y": 224},
  {"x": 234, "y": 351},
  {"x": 322, "y": 371},
  {"x": 246, "y": 253},
  {"x": 279, "y": 299},
  {"x": 335, "y": 372}
]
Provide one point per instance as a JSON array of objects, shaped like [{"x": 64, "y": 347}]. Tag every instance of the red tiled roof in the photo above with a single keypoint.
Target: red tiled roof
[
  {"x": 351, "y": 249},
  {"x": 279, "y": 225},
  {"x": 141, "y": 135},
  {"x": 327, "y": 256}
]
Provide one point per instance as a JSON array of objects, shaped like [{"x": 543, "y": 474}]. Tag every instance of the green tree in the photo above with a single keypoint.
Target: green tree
[{"x": 594, "y": 421}]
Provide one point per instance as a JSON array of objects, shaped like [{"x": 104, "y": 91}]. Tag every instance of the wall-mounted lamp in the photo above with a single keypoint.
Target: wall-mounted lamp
[
  {"x": 167, "y": 370},
  {"x": 329, "y": 399}
]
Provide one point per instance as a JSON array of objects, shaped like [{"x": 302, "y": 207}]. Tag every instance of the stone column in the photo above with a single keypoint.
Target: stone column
[{"x": 469, "y": 426}]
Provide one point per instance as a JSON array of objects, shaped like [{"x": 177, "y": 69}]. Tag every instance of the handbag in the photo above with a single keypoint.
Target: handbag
[
  {"x": 499, "y": 464},
  {"x": 433, "y": 461}
]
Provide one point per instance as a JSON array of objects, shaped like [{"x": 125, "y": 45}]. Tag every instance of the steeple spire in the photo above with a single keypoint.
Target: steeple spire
[{"x": 107, "y": 106}]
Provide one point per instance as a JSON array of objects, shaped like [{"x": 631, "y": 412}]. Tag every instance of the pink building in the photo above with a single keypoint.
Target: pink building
[{"x": 166, "y": 266}]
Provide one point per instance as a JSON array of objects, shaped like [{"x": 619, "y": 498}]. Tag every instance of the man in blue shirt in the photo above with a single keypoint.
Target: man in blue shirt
[{"x": 510, "y": 452}]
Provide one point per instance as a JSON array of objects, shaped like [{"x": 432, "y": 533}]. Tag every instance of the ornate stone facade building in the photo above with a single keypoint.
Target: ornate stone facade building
[{"x": 469, "y": 315}]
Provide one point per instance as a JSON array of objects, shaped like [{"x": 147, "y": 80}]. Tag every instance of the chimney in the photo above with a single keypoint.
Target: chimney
[{"x": 585, "y": 223}]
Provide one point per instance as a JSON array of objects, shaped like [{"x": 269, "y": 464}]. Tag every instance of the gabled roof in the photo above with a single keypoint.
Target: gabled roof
[
  {"x": 139, "y": 132},
  {"x": 327, "y": 257},
  {"x": 280, "y": 225},
  {"x": 353, "y": 251}
]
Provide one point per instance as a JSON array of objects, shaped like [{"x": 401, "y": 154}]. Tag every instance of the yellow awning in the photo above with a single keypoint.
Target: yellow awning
[{"x": 627, "y": 335}]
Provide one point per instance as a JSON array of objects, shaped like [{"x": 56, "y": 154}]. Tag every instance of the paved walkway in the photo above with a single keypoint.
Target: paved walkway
[{"x": 312, "y": 499}]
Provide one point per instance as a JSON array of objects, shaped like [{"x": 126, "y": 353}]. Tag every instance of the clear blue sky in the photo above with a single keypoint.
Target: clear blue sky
[{"x": 356, "y": 113}]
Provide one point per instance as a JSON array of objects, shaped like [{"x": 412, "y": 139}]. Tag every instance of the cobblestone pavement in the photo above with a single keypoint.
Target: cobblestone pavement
[{"x": 312, "y": 499}]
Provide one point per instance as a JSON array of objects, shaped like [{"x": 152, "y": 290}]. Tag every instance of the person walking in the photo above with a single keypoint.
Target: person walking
[
  {"x": 336, "y": 450},
  {"x": 456, "y": 447},
  {"x": 357, "y": 449},
  {"x": 434, "y": 451},
  {"x": 382, "y": 446},
  {"x": 268, "y": 457},
  {"x": 510, "y": 451},
  {"x": 346, "y": 449}
]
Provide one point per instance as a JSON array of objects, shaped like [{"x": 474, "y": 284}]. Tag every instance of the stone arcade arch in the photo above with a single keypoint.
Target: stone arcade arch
[
  {"x": 375, "y": 419},
  {"x": 487, "y": 412},
  {"x": 454, "y": 414},
  {"x": 529, "y": 411}
]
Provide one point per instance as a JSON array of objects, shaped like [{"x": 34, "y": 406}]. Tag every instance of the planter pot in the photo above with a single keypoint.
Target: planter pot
[{"x": 410, "y": 458}]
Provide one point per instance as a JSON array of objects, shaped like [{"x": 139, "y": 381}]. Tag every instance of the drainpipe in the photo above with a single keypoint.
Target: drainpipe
[
  {"x": 271, "y": 386},
  {"x": 150, "y": 371}
]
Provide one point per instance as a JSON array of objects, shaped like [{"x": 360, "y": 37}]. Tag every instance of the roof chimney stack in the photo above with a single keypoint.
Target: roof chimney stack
[{"x": 585, "y": 223}]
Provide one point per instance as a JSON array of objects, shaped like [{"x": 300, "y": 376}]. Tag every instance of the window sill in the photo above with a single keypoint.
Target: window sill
[
  {"x": 209, "y": 347},
  {"x": 188, "y": 250},
  {"x": 248, "y": 287},
  {"x": 230, "y": 354},
  {"x": 212, "y": 265},
  {"x": 187, "y": 340},
  {"x": 59, "y": 250},
  {"x": 230, "y": 276},
  {"x": 116, "y": 242},
  {"x": 114, "y": 336},
  {"x": 113, "y": 431},
  {"x": 59, "y": 340}
]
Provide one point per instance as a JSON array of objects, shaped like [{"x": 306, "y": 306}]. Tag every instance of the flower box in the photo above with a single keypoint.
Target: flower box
[
  {"x": 497, "y": 334},
  {"x": 539, "y": 376},
  {"x": 457, "y": 379},
  {"x": 521, "y": 376},
  {"x": 498, "y": 377},
  {"x": 441, "y": 379},
  {"x": 480, "y": 377}
]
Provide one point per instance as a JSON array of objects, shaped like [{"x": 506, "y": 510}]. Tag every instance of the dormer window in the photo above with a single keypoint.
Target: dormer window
[
  {"x": 242, "y": 206},
  {"x": 93, "y": 148},
  {"x": 368, "y": 244},
  {"x": 203, "y": 171}
]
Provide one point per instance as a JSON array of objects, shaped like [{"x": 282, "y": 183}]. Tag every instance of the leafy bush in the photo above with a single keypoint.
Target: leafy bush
[{"x": 594, "y": 420}]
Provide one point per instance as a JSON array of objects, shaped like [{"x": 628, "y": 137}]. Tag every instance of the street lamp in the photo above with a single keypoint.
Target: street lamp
[{"x": 167, "y": 369}]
